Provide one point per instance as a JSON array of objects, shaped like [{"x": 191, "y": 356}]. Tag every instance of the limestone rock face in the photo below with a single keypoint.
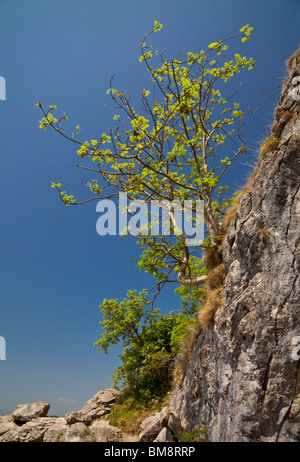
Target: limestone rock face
[{"x": 242, "y": 381}]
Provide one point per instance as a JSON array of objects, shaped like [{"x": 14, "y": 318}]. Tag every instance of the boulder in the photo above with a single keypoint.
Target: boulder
[
  {"x": 29, "y": 411},
  {"x": 103, "y": 432},
  {"x": 96, "y": 407},
  {"x": 77, "y": 433},
  {"x": 164, "y": 436},
  {"x": 8, "y": 428},
  {"x": 54, "y": 429},
  {"x": 46, "y": 429},
  {"x": 73, "y": 417},
  {"x": 6, "y": 424},
  {"x": 152, "y": 426}
]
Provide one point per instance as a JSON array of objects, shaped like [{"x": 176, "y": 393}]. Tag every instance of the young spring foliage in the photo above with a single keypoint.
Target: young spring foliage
[
  {"x": 174, "y": 148},
  {"x": 150, "y": 343}
]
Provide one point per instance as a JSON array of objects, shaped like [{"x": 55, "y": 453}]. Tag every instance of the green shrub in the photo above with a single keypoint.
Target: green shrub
[{"x": 198, "y": 435}]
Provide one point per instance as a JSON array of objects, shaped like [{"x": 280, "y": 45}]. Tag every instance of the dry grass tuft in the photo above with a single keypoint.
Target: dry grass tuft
[
  {"x": 185, "y": 354},
  {"x": 215, "y": 301},
  {"x": 290, "y": 61},
  {"x": 282, "y": 118},
  {"x": 213, "y": 256},
  {"x": 231, "y": 212},
  {"x": 215, "y": 296},
  {"x": 271, "y": 143},
  {"x": 285, "y": 116},
  {"x": 214, "y": 284},
  {"x": 215, "y": 277},
  {"x": 265, "y": 234}
]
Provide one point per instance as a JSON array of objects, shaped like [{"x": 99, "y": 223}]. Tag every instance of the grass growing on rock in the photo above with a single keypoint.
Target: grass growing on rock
[{"x": 270, "y": 144}]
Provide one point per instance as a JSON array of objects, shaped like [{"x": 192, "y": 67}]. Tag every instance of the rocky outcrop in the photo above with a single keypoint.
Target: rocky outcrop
[
  {"x": 41, "y": 429},
  {"x": 28, "y": 423},
  {"x": 242, "y": 381},
  {"x": 96, "y": 407}
]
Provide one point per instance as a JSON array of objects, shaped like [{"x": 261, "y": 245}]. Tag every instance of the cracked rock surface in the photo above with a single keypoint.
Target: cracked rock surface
[{"x": 243, "y": 378}]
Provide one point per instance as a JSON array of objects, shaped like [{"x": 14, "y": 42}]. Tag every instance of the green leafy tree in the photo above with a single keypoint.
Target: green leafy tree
[
  {"x": 174, "y": 148},
  {"x": 150, "y": 343}
]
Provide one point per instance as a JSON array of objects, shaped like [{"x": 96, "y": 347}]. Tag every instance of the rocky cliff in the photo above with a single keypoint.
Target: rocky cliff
[{"x": 242, "y": 381}]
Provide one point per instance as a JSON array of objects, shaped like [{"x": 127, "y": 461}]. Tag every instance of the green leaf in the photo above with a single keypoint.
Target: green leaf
[{"x": 157, "y": 26}]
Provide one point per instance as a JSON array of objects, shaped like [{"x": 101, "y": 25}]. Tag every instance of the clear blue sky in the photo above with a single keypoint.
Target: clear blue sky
[{"x": 55, "y": 269}]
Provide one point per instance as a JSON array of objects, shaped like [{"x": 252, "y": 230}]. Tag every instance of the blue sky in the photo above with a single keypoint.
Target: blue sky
[{"x": 55, "y": 268}]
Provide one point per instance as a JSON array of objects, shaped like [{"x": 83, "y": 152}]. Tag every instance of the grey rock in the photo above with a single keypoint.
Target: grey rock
[
  {"x": 6, "y": 423},
  {"x": 29, "y": 423},
  {"x": 11, "y": 436},
  {"x": 174, "y": 422},
  {"x": 30, "y": 411},
  {"x": 72, "y": 417},
  {"x": 54, "y": 430},
  {"x": 77, "y": 433},
  {"x": 100, "y": 404},
  {"x": 99, "y": 431},
  {"x": 243, "y": 379},
  {"x": 152, "y": 426},
  {"x": 37, "y": 430},
  {"x": 96, "y": 407},
  {"x": 103, "y": 432},
  {"x": 8, "y": 428},
  {"x": 45, "y": 429},
  {"x": 164, "y": 436}
]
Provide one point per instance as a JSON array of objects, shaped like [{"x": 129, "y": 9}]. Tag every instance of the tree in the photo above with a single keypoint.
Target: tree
[
  {"x": 150, "y": 343},
  {"x": 170, "y": 151}
]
